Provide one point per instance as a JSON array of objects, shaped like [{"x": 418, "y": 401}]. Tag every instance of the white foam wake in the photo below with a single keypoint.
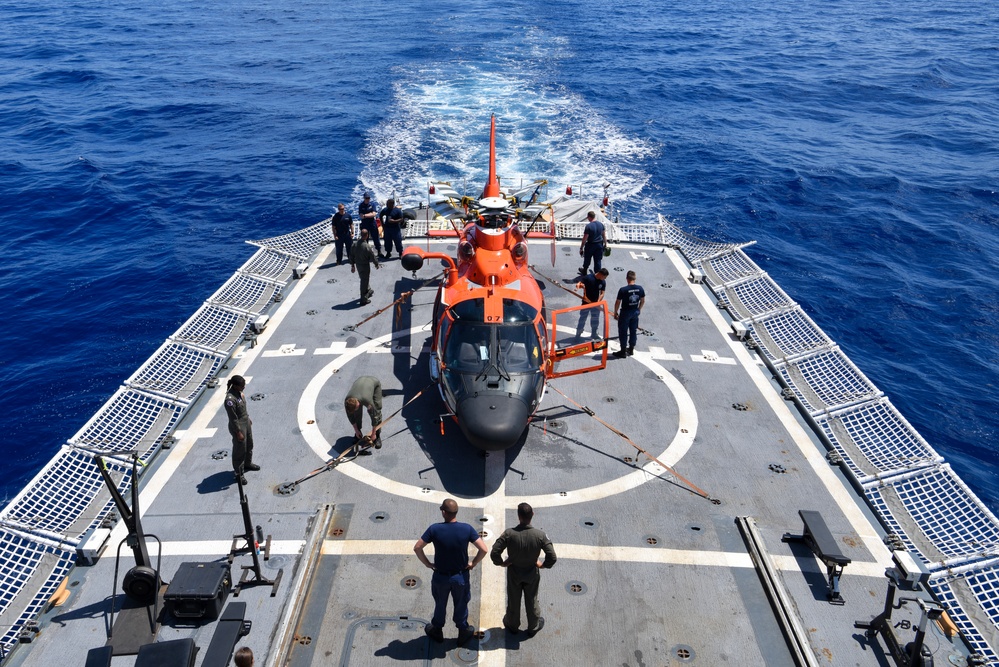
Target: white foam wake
[{"x": 438, "y": 129}]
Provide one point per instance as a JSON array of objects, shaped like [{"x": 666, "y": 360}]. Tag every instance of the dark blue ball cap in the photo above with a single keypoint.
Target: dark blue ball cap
[{"x": 367, "y": 195}]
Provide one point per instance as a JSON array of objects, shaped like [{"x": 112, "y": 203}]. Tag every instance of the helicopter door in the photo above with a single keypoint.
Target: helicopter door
[{"x": 578, "y": 340}]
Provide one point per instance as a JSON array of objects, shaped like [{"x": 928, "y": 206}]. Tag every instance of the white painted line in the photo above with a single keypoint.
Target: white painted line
[
  {"x": 209, "y": 548},
  {"x": 493, "y": 598},
  {"x": 854, "y": 569},
  {"x": 406, "y": 349},
  {"x": 184, "y": 433},
  {"x": 397, "y": 349},
  {"x": 373, "y": 548},
  {"x": 608, "y": 554},
  {"x": 638, "y": 255},
  {"x": 492, "y": 593}
]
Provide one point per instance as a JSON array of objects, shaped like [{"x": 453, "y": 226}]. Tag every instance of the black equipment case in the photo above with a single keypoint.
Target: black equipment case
[{"x": 199, "y": 590}]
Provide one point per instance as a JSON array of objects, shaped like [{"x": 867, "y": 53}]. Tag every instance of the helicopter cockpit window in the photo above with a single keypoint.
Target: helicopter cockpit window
[
  {"x": 443, "y": 327},
  {"x": 519, "y": 349},
  {"x": 468, "y": 347},
  {"x": 518, "y": 311},
  {"x": 472, "y": 310}
]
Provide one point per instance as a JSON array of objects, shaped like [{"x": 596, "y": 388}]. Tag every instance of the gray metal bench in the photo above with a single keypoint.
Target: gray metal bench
[
  {"x": 229, "y": 629},
  {"x": 822, "y": 543},
  {"x": 99, "y": 657},
  {"x": 173, "y": 653}
]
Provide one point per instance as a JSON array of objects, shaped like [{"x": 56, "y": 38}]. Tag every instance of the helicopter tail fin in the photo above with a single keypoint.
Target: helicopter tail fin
[{"x": 492, "y": 188}]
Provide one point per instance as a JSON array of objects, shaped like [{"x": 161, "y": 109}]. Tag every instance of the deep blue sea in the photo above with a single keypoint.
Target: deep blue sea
[{"x": 857, "y": 141}]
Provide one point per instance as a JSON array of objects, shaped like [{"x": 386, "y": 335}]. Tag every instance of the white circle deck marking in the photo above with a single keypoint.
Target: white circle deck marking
[{"x": 682, "y": 440}]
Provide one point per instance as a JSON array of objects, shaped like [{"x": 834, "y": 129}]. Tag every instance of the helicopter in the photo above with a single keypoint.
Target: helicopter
[{"x": 492, "y": 351}]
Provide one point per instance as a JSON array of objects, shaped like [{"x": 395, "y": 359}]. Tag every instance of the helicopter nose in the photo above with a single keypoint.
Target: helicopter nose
[{"x": 492, "y": 422}]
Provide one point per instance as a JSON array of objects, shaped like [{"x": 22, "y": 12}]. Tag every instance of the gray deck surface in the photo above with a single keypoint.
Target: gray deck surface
[{"x": 649, "y": 573}]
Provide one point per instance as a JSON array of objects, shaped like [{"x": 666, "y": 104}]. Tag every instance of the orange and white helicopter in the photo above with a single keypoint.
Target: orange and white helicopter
[{"x": 492, "y": 350}]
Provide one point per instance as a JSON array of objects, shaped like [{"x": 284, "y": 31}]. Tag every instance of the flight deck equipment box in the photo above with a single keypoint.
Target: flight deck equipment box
[{"x": 199, "y": 590}]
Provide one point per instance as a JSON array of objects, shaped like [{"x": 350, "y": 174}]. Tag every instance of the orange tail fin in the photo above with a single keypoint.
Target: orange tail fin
[{"x": 492, "y": 188}]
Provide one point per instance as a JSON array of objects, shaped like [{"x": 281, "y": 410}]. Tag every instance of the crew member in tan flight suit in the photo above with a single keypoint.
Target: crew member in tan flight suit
[
  {"x": 240, "y": 427},
  {"x": 366, "y": 392},
  {"x": 523, "y": 545}
]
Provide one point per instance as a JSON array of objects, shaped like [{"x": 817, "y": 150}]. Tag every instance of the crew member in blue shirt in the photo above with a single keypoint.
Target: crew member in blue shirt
[
  {"x": 343, "y": 232},
  {"x": 594, "y": 242},
  {"x": 593, "y": 286},
  {"x": 391, "y": 219},
  {"x": 368, "y": 213},
  {"x": 451, "y": 569},
  {"x": 627, "y": 308}
]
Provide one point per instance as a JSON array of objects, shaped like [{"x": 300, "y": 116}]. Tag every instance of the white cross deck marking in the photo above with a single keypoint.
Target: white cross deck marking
[
  {"x": 284, "y": 351},
  {"x": 711, "y": 357},
  {"x": 660, "y": 354},
  {"x": 336, "y": 347},
  {"x": 638, "y": 255}
]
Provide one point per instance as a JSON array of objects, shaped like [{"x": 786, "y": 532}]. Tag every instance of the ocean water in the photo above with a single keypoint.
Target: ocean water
[{"x": 856, "y": 141}]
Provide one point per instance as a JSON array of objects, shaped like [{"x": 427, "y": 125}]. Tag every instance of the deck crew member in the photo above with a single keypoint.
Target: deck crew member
[
  {"x": 593, "y": 286},
  {"x": 366, "y": 392},
  {"x": 451, "y": 570},
  {"x": 368, "y": 213},
  {"x": 523, "y": 545},
  {"x": 343, "y": 232},
  {"x": 240, "y": 427},
  {"x": 391, "y": 219},
  {"x": 627, "y": 308},
  {"x": 243, "y": 657},
  {"x": 361, "y": 258},
  {"x": 593, "y": 244}
]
